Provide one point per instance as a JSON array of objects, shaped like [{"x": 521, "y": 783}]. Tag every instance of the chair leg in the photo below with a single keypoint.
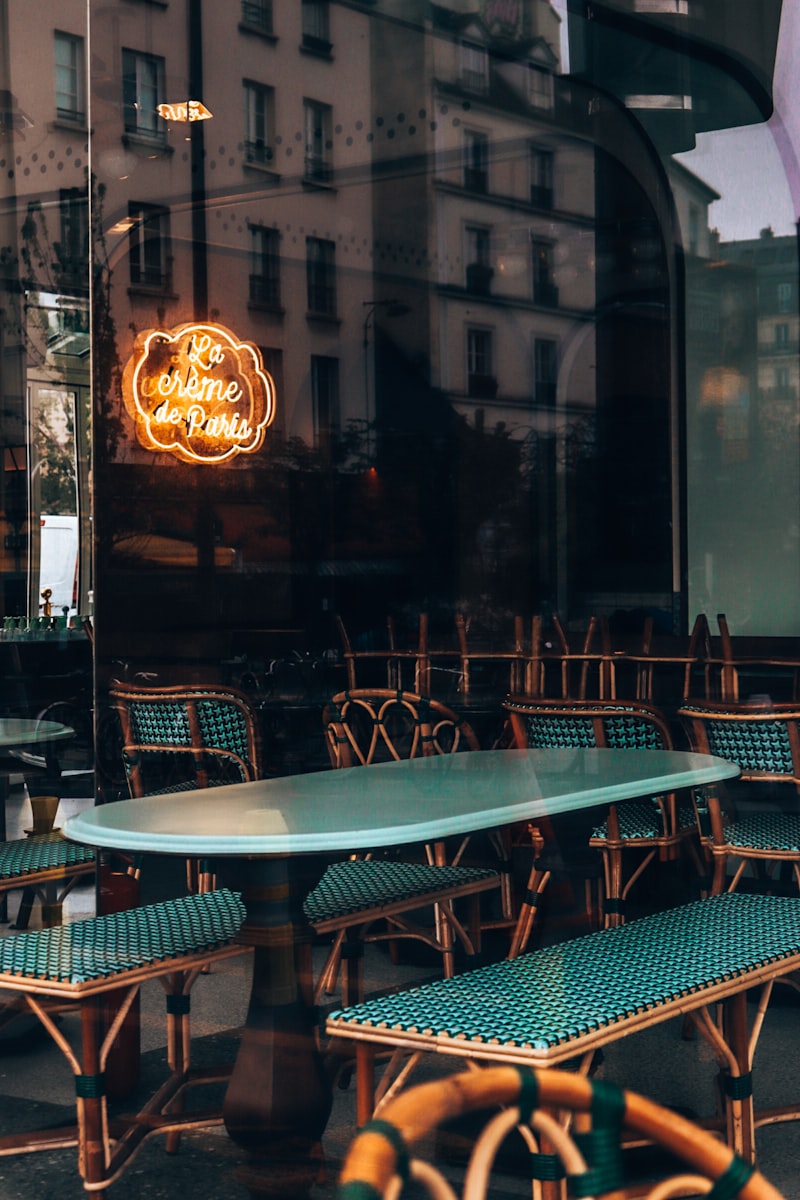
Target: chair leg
[{"x": 537, "y": 882}]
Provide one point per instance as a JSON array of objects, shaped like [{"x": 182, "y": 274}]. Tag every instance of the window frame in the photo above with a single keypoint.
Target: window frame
[
  {"x": 543, "y": 288},
  {"x": 318, "y": 143},
  {"x": 321, "y": 277},
  {"x": 475, "y": 149},
  {"x": 782, "y": 336},
  {"x": 315, "y": 27},
  {"x": 257, "y": 15},
  {"x": 545, "y": 382},
  {"x": 258, "y": 152},
  {"x": 76, "y": 113},
  {"x": 148, "y": 239},
  {"x": 73, "y": 244},
  {"x": 474, "y": 65},
  {"x": 541, "y": 162},
  {"x": 481, "y": 383},
  {"x": 133, "y": 107},
  {"x": 541, "y": 92},
  {"x": 478, "y": 271},
  {"x": 325, "y": 431},
  {"x": 265, "y": 284}
]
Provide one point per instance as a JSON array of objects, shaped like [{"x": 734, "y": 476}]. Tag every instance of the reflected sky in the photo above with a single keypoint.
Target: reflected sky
[{"x": 737, "y": 162}]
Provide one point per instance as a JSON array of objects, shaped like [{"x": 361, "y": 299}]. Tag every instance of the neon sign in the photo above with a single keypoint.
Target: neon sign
[
  {"x": 199, "y": 393},
  {"x": 184, "y": 110}
]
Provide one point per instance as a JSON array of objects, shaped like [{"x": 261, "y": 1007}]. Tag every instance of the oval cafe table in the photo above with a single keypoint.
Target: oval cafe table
[{"x": 268, "y": 836}]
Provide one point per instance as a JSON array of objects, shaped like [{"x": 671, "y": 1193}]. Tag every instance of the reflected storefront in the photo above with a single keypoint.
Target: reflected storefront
[{"x": 388, "y": 307}]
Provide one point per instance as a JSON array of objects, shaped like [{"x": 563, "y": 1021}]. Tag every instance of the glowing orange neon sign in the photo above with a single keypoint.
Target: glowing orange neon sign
[
  {"x": 199, "y": 393},
  {"x": 184, "y": 110}
]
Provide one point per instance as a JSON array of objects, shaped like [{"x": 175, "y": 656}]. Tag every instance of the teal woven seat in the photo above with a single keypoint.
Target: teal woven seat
[
  {"x": 566, "y": 1000},
  {"x": 652, "y": 826},
  {"x": 363, "y": 885},
  {"x": 83, "y": 964},
  {"x": 645, "y": 819},
  {"x": 34, "y": 855},
  {"x": 101, "y": 947},
  {"x": 46, "y": 867},
  {"x": 553, "y": 997},
  {"x": 360, "y": 900},
  {"x": 764, "y": 740}
]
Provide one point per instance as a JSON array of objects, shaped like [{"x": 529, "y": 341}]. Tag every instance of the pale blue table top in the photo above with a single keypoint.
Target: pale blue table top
[
  {"x": 21, "y": 732},
  {"x": 389, "y": 804}
]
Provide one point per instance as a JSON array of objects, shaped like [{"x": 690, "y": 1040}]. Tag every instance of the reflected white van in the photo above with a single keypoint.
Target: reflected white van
[{"x": 58, "y": 561}]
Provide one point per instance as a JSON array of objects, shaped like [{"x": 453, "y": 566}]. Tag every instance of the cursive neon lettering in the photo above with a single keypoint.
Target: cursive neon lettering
[{"x": 199, "y": 393}]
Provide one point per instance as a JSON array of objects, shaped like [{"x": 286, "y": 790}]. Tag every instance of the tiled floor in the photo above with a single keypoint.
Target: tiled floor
[{"x": 36, "y": 1088}]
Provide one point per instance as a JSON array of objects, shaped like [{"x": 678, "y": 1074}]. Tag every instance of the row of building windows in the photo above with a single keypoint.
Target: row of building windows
[
  {"x": 482, "y": 381},
  {"x": 143, "y": 76}
]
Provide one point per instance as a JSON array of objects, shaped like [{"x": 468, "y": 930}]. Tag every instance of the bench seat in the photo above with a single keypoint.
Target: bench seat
[
  {"x": 79, "y": 964},
  {"x": 569, "y": 999},
  {"x": 32, "y": 863}
]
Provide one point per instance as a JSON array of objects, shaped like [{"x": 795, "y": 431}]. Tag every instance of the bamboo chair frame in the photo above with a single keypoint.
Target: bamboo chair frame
[
  {"x": 765, "y": 740},
  {"x": 563, "y": 1117},
  {"x": 591, "y": 723},
  {"x": 368, "y": 725}
]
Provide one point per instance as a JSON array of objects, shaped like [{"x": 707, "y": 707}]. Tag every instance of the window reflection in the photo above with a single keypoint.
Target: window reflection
[{"x": 573, "y": 351}]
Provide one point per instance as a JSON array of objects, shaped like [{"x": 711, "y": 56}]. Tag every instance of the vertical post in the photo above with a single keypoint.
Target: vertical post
[{"x": 198, "y": 166}]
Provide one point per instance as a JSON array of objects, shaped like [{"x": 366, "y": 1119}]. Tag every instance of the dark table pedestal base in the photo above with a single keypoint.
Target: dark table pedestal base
[{"x": 278, "y": 1100}]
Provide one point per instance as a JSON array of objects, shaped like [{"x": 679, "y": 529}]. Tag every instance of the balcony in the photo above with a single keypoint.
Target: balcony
[
  {"x": 545, "y": 294},
  {"x": 482, "y": 387},
  {"x": 479, "y": 278}
]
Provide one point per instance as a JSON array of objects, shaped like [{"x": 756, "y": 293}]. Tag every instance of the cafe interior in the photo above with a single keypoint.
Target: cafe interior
[{"x": 400, "y": 585}]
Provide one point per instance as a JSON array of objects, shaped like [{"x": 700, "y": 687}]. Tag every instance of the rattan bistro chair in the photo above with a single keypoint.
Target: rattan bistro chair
[
  {"x": 371, "y": 725},
  {"x": 764, "y": 740},
  {"x": 176, "y": 739},
  {"x": 589, "y": 1151},
  {"x": 655, "y": 827}
]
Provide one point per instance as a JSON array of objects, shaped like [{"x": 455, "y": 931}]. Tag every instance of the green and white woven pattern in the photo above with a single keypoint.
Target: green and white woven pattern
[
  {"x": 26, "y": 856},
  {"x": 353, "y": 887},
  {"x": 553, "y": 996},
  {"x": 99, "y": 947},
  {"x": 761, "y": 747}
]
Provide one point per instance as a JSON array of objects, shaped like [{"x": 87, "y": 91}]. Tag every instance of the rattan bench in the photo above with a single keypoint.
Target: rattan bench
[
  {"x": 568, "y": 1000},
  {"x": 79, "y": 964}
]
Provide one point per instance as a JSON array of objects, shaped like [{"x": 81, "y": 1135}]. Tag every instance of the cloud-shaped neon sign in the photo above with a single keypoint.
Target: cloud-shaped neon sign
[{"x": 199, "y": 393}]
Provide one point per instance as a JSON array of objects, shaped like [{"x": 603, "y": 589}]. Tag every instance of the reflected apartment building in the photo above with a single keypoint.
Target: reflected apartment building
[{"x": 467, "y": 273}]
